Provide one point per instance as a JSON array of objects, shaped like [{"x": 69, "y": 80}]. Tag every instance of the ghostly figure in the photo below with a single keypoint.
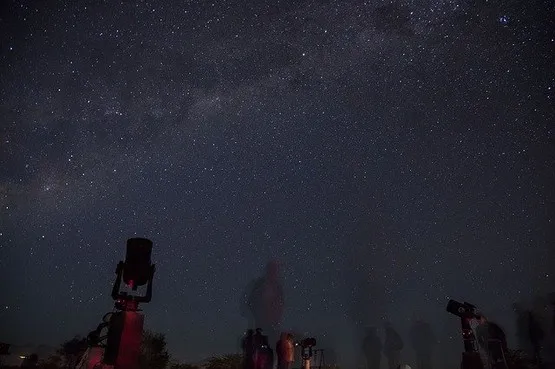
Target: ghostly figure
[
  {"x": 393, "y": 346},
  {"x": 248, "y": 349},
  {"x": 423, "y": 340},
  {"x": 265, "y": 303},
  {"x": 372, "y": 348}
]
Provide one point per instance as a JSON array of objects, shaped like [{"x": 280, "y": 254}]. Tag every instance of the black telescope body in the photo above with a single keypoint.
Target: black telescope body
[
  {"x": 137, "y": 269},
  {"x": 462, "y": 309},
  {"x": 308, "y": 342}
]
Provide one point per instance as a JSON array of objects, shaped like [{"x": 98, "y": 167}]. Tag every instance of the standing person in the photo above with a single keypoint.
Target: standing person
[
  {"x": 492, "y": 339},
  {"x": 372, "y": 348},
  {"x": 285, "y": 351},
  {"x": 280, "y": 350},
  {"x": 523, "y": 328},
  {"x": 422, "y": 339},
  {"x": 248, "y": 350},
  {"x": 393, "y": 346},
  {"x": 263, "y": 354},
  {"x": 536, "y": 335}
]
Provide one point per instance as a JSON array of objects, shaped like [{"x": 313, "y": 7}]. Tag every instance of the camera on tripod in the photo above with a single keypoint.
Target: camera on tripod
[
  {"x": 470, "y": 358},
  {"x": 307, "y": 342},
  {"x": 463, "y": 309},
  {"x": 306, "y": 350}
]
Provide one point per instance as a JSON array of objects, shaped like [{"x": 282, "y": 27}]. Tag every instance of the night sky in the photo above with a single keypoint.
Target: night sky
[{"x": 390, "y": 154}]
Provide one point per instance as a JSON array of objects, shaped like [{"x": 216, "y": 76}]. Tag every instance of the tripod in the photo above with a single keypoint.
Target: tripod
[{"x": 319, "y": 356}]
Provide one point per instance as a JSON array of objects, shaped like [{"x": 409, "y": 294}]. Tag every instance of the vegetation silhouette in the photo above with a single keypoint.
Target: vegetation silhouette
[{"x": 230, "y": 361}]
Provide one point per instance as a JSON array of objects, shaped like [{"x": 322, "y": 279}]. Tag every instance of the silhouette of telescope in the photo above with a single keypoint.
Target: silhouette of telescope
[
  {"x": 137, "y": 270},
  {"x": 137, "y": 266},
  {"x": 462, "y": 309}
]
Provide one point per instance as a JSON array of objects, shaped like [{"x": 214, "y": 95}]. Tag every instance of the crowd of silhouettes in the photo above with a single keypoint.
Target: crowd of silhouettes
[
  {"x": 535, "y": 331},
  {"x": 258, "y": 354},
  {"x": 263, "y": 306}
]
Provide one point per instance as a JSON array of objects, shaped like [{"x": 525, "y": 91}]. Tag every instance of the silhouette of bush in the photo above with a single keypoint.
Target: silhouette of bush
[
  {"x": 518, "y": 359},
  {"x": 176, "y": 365},
  {"x": 230, "y": 361}
]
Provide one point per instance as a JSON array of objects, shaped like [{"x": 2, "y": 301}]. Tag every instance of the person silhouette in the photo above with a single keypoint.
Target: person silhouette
[
  {"x": 285, "y": 351},
  {"x": 372, "y": 348},
  {"x": 392, "y": 346},
  {"x": 248, "y": 349},
  {"x": 522, "y": 316},
  {"x": 491, "y": 337},
  {"x": 422, "y": 339},
  {"x": 263, "y": 354},
  {"x": 536, "y": 335}
]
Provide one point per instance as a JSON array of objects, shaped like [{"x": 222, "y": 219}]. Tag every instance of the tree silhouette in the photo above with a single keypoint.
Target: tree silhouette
[
  {"x": 177, "y": 365},
  {"x": 518, "y": 359},
  {"x": 154, "y": 354},
  {"x": 70, "y": 352},
  {"x": 52, "y": 362},
  {"x": 230, "y": 361}
]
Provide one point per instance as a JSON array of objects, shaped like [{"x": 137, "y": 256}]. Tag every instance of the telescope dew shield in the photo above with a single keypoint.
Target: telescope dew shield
[
  {"x": 137, "y": 268},
  {"x": 462, "y": 309}
]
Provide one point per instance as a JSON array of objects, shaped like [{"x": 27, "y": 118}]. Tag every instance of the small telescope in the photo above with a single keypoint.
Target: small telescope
[
  {"x": 307, "y": 342},
  {"x": 467, "y": 312},
  {"x": 306, "y": 350},
  {"x": 462, "y": 309}
]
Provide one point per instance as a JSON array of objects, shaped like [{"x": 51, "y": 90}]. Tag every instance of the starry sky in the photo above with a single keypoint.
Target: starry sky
[{"x": 390, "y": 154}]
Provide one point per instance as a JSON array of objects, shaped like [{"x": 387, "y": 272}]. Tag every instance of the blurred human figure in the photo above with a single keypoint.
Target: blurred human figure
[
  {"x": 536, "y": 336},
  {"x": 285, "y": 351},
  {"x": 491, "y": 337},
  {"x": 423, "y": 340},
  {"x": 263, "y": 354},
  {"x": 522, "y": 316},
  {"x": 372, "y": 348},
  {"x": 248, "y": 349},
  {"x": 269, "y": 358},
  {"x": 265, "y": 301},
  {"x": 393, "y": 346}
]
